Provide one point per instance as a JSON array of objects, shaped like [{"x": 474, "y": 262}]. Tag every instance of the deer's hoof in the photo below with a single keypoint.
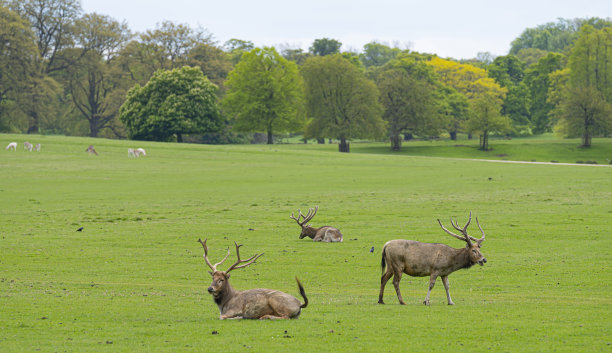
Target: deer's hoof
[
  {"x": 451, "y": 303},
  {"x": 380, "y": 302},
  {"x": 402, "y": 303},
  {"x": 426, "y": 302}
]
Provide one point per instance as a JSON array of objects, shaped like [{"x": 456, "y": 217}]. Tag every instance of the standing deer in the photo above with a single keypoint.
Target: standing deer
[
  {"x": 426, "y": 259},
  {"x": 254, "y": 303},
  {"x": 326, "y": 234}
]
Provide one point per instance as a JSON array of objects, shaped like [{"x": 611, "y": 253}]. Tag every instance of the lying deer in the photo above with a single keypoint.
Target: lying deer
[
  {"x": 326, "y": 233},
  {"x": 254, "y": 303},
  {"x": 91, "y": 150},
  {"x": 425, "y": 259}
]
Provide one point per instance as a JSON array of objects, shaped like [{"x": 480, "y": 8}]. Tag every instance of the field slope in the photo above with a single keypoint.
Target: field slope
[{"x": 134, "y": 280}]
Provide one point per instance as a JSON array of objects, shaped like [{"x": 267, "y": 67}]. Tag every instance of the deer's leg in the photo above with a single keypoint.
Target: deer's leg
[
  {"x": 383, "y": 282},
  {"x": 397, "y": 277},
  {"x": 272, "y": 317},
  {"x": 447, "y": 287},
  {"x": 432, "y": 282}
]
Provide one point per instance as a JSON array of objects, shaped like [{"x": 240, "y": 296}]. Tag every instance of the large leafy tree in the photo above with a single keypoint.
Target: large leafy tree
[
  {"x": 18, "y": 55},
  {"x": 172, "y": 103},
  {"x": 52, "y": 22},
  {"x": 537, "y": 79},
  {"x": 486, "y": 118},
  {"x": 408, "y": 94},
  {"x": 265, "y": 94},
  {"x": 584, "y": 101},
  {"x": 509, "y": 72},
  {"x": 377, "y": 54},
  {"x": 341, "y": 101},
  {"x": 325, "y": 46}
]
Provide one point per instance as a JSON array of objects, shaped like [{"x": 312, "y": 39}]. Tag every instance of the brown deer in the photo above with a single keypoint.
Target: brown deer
[
  {"x": 326, "y": 234},
  {"x": 425, "y": 259},
  {"x": 250, "y": 304}
]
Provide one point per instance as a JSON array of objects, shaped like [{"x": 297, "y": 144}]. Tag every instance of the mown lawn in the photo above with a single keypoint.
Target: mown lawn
[{"x": 134, "y": 279}]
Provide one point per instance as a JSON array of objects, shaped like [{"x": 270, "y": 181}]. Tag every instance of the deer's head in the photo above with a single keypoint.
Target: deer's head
[
  {"x": 221, "y": 278},
  {"x": 306, "y": 228},
  {"x": 472, "y": 244}
]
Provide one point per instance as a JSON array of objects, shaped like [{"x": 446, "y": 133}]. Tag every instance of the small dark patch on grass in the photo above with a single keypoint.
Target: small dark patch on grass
[
  {"x": 553, "y": 161},
  {"x": 215, "y": 332},
  {"x": 501, "y": 155}
]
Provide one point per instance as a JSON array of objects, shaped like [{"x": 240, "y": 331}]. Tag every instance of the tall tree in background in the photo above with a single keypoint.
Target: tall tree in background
[
  {"x": 509, "y": 72},
  {"x": 325, "y": 46},
  {"x": 237, "y": 47},
  {"x": 407, "y": 92},
  {"x": 265, "y": 93},
  {"x": 52, "y": 22},
  {"x": 486, "y": 118},
  {"x": 18, "y": 54},
  {"x": 97, "y": 86},
  {"x": 377, "y": 54},
  {"x": 584, "y": 102},
  {"x": 342, "y": 102},
  {"x": 537, "y": 79},
  {"x": 172, "y": 103}
]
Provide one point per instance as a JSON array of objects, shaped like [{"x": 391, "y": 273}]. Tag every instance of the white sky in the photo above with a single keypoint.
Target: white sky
[{"x": 449, "y": 28}]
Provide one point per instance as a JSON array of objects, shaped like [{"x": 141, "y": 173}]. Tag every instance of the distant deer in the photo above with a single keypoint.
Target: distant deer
[
  {"x": 91, "y": 150},
  {"x": 140, "y": 152},
  {"x": 11, "y": 146},
  {"x": 27, "y": 146},
  {"x": 254, "y": 303},
  {"x": 425, "y": 259},
  {"x": 326, "y": 233},
  {"x": 37, "y": 147}
]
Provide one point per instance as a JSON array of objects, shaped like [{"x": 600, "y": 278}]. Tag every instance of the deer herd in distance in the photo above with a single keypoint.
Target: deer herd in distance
[
  {"x": 399, "y": 257},
  {"x": 132, "y": 152}
]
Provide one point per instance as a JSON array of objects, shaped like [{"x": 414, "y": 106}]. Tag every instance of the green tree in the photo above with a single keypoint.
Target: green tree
[
  {"x": 52, "y": 22},
  {"x": 237, "y": 47},
  {"x": 537, "y": 79},
  {"x": 265, "y": 94},
  {"x": 408, "y": 94},
  {"x": 325, "y": 46},
  {"x": 584, "y": 98},
  {"x": 508, "y": 71},
  {"x": 214, "y": 62},
  {"x": 486, "y": 118},
  {"x": 555, "y": 36},
  {"x": 377, "y": 54},
  {"x": 172, "y": 103},
  {"x": 342, "y": 102},
  {"x": 454, "y": 107},
  {"x": 18, "y": 68}
]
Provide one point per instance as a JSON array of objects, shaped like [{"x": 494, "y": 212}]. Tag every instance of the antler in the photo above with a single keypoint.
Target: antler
[
  {"x": 481, "y": 231},
  {"x": 212, "y": 267},
  {"x": 245, "y": 262},
  {"x": 463, "y": 230},
  {"x": 306, "y": 218}
]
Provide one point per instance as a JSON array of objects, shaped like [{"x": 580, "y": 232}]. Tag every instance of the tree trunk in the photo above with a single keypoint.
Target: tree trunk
[
  {"x": 453, "y": 135},
  {"x": 179, "y": 137},
  {"x": 396, "y": 142},
  {"x": 343, "y": 146},
  {"x": 321, "y": 140},
  {"x": 484, "y": 141},
  {"x": 33, "y": 128},
  {"x": 270, "y": 137},
  {"x": 586, "y": 139}
]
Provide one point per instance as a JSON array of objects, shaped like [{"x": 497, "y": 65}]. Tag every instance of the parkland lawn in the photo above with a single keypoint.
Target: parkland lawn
[{"x": 134, "y": 280}]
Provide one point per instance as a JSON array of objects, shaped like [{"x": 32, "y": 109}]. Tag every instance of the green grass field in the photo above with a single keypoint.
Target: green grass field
[{"x": 134, "y": 279}]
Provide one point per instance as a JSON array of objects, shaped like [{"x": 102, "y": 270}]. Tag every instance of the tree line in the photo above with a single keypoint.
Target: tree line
[{"x": 63, "y": 71}]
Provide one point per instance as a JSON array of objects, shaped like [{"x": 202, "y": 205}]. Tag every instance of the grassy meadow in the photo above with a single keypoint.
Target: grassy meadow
[{"x": 134, "y": 279}]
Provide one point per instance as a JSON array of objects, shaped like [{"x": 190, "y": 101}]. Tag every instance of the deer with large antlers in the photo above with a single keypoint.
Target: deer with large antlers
[
  {"x": 250, "y": 304},
  {"x": 326, "y": 233},
  {"x": 425, "y": 259}
]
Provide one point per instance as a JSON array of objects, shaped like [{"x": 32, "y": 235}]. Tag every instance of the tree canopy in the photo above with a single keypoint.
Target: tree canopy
[
  {"x": 341, "y": 101},
  {"x": 265, "y": 94},
  {"x": 173, "y": 103}
]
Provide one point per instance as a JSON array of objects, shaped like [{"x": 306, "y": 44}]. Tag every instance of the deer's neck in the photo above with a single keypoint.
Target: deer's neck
[
  {"x": 310, "y": 232},
  {"x": 225, "y": 296},
  {"x": 462, "y": 259}
]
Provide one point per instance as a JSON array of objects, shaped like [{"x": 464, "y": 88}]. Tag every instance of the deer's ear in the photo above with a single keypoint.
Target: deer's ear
[{"x": 227, "y": 275}]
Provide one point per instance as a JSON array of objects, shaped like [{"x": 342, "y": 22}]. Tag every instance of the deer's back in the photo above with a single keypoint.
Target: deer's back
[
  {"x": 415, "y": 258},
  {"x": 260, "y": 301}
]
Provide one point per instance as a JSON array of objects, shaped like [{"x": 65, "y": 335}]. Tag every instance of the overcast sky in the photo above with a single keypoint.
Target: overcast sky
[{"x": 450, "y": 28}]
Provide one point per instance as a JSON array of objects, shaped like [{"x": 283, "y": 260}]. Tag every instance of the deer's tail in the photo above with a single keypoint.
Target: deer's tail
[
  {"x": 302, "y": 293},
  {"x": 383, "y": 262}
]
